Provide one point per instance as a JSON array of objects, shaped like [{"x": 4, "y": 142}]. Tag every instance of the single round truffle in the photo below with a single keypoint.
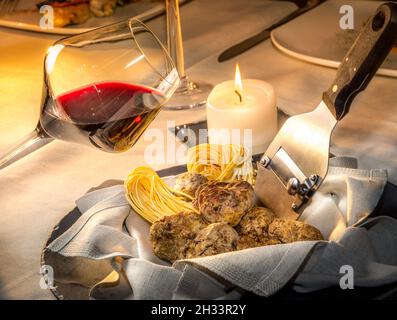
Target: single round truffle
[
  {"x": 171, "y": 235},
  {"x": 247, "y": 241},
  {"x": 189, "y": 183},
  {"x": 214, "y": 239},
  {"x": 256, "y": 221},
  {"x": 292, "y": 230},
  {"x": 253, "y": 228},
  {"x": 224, "y": 202}
]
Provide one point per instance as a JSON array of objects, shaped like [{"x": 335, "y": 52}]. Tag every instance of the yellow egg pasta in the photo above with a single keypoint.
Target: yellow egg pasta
[
  {"x": 152, "y": 198},
  {"x": 221, "y": 162}
]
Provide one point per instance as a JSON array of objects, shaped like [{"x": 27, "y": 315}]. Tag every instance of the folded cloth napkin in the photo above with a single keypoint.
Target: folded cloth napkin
[{"x": 108, "y": 249}]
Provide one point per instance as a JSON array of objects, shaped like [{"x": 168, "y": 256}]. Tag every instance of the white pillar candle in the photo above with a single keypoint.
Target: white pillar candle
[{"x": 256, "y": 111}]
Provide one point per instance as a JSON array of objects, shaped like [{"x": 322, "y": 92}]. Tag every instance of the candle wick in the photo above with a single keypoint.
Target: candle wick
[{"x": 239, "y": 95}]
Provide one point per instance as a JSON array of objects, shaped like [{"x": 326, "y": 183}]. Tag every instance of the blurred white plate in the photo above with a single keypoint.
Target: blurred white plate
[
  {"x": 317, "y": 38},
  {"x": 27, "y": 17}
]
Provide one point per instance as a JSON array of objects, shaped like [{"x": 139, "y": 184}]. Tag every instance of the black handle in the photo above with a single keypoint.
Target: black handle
[{"x": 363, "y": 59}]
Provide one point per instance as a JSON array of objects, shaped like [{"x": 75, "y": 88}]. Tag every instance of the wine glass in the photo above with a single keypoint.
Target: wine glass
[
  {"x": 101, "y": 88},
  {"x": 190, "y": 94}
]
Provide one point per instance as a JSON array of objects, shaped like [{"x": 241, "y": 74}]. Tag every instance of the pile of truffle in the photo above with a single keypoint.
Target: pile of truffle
[{"x": 227, "y": 221}]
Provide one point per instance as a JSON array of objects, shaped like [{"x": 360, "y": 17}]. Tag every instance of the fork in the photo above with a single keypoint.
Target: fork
[{"x": 8, "y": 6}]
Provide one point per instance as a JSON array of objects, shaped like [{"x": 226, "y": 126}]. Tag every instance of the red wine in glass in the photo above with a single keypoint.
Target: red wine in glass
[
  {"x": 109, "y": 115},
  {"x": 102, "y": 88}
]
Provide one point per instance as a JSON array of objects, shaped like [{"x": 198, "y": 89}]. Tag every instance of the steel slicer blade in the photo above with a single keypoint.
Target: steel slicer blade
[{"x": 296, "y": 162}]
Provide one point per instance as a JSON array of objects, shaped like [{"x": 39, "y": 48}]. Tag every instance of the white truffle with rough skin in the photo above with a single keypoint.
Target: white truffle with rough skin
[
  {"x": 171, "y": 235},
  {"x": 253, "y": 229},
  {"x": 214, "y": 239},
  {"x": 291, "y": 230},
  {"x": 189, "y": 183},
  {"x": 224, "y": 202}
]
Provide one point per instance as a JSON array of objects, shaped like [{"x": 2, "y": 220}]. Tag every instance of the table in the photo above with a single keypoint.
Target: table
[{"x": 38, "y": 190}]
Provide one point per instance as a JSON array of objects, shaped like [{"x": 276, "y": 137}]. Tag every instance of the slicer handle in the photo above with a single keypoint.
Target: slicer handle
[{"x": 363, "y": 59}]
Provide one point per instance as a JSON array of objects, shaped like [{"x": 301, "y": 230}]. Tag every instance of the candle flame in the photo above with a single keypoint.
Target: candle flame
[{"x": 238, "y": 84}]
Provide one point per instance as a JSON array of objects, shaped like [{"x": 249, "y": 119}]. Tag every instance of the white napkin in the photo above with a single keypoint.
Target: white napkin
[
  {"x": 109, "y": 229},
  {"x": 346, "y": 196}
]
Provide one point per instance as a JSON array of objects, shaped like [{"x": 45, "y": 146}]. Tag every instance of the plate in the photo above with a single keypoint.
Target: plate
[
  {"x": 316, "y": 36},
  {"x": 27, "y": 17}
]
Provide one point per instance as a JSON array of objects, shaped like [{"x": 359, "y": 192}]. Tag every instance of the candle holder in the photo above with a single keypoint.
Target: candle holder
[{"x": 190, "y": 94}]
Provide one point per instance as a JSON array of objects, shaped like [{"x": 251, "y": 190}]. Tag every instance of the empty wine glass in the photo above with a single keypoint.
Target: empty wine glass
[
  {"x": 102, "y": 88},
  {"x": 190, "y": 94}
]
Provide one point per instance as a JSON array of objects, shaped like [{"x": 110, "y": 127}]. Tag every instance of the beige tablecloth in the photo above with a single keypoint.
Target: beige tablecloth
[{"x": 37, "y": 191}]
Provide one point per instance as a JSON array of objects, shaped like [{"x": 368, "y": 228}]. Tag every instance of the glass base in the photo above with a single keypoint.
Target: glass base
[{"x": 189, "y": 95}]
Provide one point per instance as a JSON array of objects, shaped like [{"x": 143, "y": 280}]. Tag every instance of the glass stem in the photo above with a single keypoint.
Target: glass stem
[
  {"x": 174, "y": 36},
  {"x": 33, "y": 141}
]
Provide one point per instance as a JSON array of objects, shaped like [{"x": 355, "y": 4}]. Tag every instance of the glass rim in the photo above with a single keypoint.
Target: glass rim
[
  {"x": 159, "y": 43},
  {"x": 129, "y": 23}
]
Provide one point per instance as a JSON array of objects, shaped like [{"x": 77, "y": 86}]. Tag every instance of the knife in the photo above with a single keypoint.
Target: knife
[
  {"x": 296, "y": 162},
  {"x": 265, "y": 34}
]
